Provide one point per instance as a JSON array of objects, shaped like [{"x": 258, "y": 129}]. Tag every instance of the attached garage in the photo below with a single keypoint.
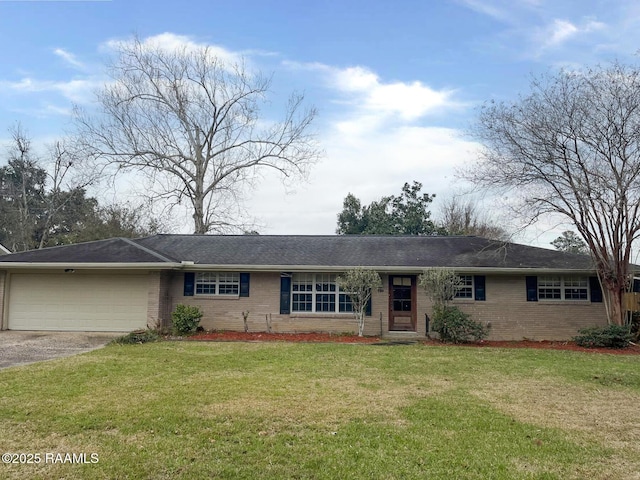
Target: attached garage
[{"x": 77, "y": 301}]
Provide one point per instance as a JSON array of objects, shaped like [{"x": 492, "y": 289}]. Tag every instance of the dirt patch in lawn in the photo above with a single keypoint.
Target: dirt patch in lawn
[
  {"x": 608, "y": 416},
  {"x": 228, "y": 336}
]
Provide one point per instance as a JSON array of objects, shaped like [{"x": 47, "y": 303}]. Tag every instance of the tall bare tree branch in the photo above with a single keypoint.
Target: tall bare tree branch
[
  {"x": 572, "y": 147},
  {"x": 193, "y": 124}
]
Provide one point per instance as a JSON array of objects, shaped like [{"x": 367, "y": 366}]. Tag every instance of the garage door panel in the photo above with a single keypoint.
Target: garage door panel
[{"x": 78, "y": 302}]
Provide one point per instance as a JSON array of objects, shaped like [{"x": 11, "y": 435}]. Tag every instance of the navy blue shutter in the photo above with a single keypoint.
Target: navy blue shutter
[
  {"x": 532, "y": 288},
  {"x": 367, "y": 308},
  {"x": 479, "y": 285},
  {"x": 244, "y": 284},
  {"x": 285, "y": 295},
  {"x": 596, "y": 291},
  {"x": 189, "y": 284}
]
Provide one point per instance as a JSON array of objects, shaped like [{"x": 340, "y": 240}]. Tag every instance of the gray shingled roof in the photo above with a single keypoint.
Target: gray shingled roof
[
  {"x": 300, "y": 251},
  {"x": 112, "y": 250}
]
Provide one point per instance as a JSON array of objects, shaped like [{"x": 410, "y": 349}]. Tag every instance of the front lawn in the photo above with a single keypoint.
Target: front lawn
[{"x": 288, "y": 410}]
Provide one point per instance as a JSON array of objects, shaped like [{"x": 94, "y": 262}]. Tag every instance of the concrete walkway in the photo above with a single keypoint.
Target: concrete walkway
[{"x": 22, "y": 347}]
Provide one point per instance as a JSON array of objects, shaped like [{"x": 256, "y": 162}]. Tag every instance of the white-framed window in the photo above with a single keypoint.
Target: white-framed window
[
  {"x": 218, "y": 283},
  {"x": 465, "y": 287},
  {"x": 557, "y": 287},
  {"x": 318, "y": 293}
]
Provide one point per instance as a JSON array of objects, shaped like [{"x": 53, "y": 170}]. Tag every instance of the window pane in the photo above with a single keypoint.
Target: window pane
[
  {"x": 549, "y": 293},
  {"x": 302, "y": 282},
  {"x": 325, "y": 283},
  {"x": 302, "y": 302},
  {"x": 345, "y": 303},
  {"x": 228, "y": 283},
  {"x": 555, "y": 287},
  {"x": 465, "y": 288},
  {"x": 206, "y": 283},
  {"x": 575, "y": 294},
  {"x": 549, "y": 281},
  {"x": 325, "y": 303},
  {"x": 576, "y": 288},
  {"x": 549, "y": 287}
]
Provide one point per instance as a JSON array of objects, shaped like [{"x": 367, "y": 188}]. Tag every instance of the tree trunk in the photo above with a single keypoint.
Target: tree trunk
[
  {"x": 616, "y": 306},
  {"x": 198, "y": 215},
  {"x": 614, "y": 288},
  {"x": 360, "y": 318}
]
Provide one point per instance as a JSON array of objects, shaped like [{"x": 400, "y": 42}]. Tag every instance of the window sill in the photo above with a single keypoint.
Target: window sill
[
  {"x": 216, "y": 297},
  {"x": 565, "y": 302}
]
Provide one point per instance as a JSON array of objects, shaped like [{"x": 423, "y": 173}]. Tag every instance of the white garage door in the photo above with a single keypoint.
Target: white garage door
[{"x": 73, "y": 301}]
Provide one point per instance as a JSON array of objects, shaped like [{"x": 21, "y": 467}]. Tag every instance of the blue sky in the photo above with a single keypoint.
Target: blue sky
[{"x": 396, "y": 83}]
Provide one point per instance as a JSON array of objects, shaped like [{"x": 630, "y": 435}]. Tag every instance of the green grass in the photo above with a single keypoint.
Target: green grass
[{"x": 279, "y": 410}]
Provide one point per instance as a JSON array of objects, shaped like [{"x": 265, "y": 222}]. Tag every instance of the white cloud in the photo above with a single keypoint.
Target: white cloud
[
  {"x": 367, "y": 164},
  {"x": 69, "y": 58},
  {"x": 498, "y": 12},
  {"x": 367, "y": 102},
  {"x": 77, "y": 90},
  {"x": 377, "y": 138},
  {"x": 172, "y": 42},
  {"x": 409, "y": 101},
  {"x": 560, "y": 31}
]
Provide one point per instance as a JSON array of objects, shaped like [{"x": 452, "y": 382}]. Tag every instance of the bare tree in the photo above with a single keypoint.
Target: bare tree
[
  {"x": 67, "y": 182},
  {"x": 192, "y": 123},
  {"x": 460, "y": 217},
  {"x": 43, "y": 199},
  {"x": 358, "y": 283},
  {"x": 22, "y": 192},
  {"x": 572, "y": 147},
  {"x": 570, "y": 242}
]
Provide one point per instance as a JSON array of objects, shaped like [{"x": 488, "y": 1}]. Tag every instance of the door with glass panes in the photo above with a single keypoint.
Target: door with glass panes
[{"x": 402, "y": 303}]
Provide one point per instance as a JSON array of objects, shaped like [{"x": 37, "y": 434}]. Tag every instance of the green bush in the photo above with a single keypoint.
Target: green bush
[
  {"x": 455, "y": 326},
  {"x": 139, "y": 336},
  {"x": 186, "y": 319},
  {"x": 611, "y": 336}
]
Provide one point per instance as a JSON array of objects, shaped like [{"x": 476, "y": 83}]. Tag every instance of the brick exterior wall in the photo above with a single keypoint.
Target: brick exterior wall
[
  {"x": 511, "y": 317},
  {"x": 158, "y": 300},
  {"x": 3, "y": 276}
]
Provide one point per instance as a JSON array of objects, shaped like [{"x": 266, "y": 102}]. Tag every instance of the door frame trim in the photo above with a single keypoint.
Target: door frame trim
[{"x": 414, "y": 303}]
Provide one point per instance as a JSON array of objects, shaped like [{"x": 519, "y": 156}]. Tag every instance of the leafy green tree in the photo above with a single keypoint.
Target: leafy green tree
[
  {"x": 350, "y": 220},
  {"x": 571, "y": 243},
  {"x": 405, "y": 214}
]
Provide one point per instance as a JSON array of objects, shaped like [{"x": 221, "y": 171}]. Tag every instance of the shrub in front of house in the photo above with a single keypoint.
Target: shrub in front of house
[
  {"x": 139, "y": 336},
  {"x": 186, "y": 319},
  {"x": 611, "y": 336},
  {"x": 455, "y": 326}
]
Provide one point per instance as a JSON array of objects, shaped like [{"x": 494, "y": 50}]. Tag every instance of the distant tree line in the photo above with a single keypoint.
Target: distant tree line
[
  {"x": 409, "y": 214},
  {"x": 44, "y": 202}
]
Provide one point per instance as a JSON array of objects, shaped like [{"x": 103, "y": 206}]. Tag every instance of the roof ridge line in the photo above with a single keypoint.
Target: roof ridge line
[{"x": 149, "y": 250}]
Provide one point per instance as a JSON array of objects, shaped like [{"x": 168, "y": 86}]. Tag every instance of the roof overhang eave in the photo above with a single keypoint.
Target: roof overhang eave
[
  {"x": 379, "y": 268},
  {"x": 89, "y": 265}
]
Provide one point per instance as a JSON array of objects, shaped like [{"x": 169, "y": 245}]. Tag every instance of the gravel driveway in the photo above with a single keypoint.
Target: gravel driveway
[{"x": 19, "y": 348}]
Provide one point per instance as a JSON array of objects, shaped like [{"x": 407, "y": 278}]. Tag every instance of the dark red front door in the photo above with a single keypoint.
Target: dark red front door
[{"x": 402, "y": 303}]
